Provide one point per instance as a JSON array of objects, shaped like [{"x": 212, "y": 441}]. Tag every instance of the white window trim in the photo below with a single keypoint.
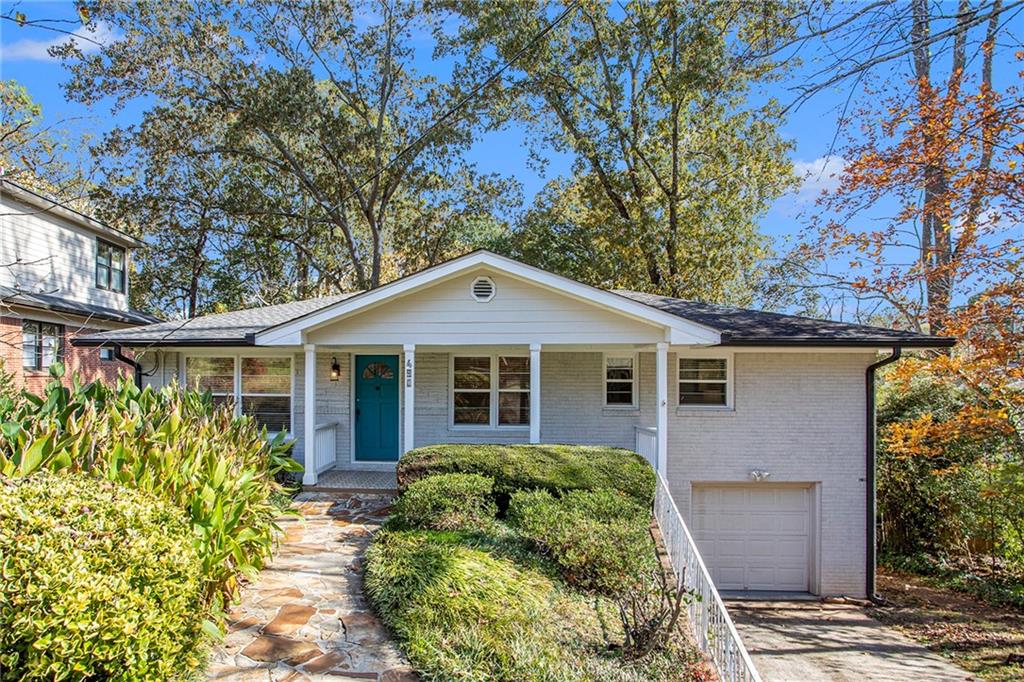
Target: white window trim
[
  {"x": 730, "y": 393},
  {"x": 236, "y": 393},
  {"x": 492, "y": 424},
  {"x": 635, "y": 357}
]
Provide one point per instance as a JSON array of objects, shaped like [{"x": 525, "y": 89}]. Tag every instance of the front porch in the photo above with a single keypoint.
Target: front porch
[{"x": 372, "y": 404}]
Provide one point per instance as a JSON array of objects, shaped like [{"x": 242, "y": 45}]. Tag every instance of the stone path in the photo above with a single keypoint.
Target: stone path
[{"x": 306, "y": 617}]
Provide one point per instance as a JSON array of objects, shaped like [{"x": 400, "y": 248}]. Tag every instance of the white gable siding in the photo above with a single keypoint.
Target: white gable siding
[
  {"x": 519, "y": 313},
  {"x": 51, "y": 256}
]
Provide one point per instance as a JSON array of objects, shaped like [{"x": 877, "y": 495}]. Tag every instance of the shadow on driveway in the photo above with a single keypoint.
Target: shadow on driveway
[{"x": 807, "y": 641}]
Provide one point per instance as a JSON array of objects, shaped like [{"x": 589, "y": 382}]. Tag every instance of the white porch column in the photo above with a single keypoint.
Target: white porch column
[
  {"x": 534, "y": 392},
  {"x": 661, "y": 418},
  {"x": 309, "y": 416},
  {"x": 409, "y": 394}
]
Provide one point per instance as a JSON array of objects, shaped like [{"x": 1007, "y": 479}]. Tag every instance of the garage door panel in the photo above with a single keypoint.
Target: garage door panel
[{"x": 754, "y": 537}]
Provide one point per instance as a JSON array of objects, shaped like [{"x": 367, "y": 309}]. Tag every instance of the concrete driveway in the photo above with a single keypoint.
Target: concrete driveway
[{"x": 807, "y": 640}]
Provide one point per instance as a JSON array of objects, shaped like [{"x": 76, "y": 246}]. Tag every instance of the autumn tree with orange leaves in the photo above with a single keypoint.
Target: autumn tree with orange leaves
[{"x": 925, "y": 231}]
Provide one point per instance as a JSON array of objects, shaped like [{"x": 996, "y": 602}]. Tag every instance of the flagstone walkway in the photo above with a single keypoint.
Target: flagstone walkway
[{"x": 306, "y": 617}]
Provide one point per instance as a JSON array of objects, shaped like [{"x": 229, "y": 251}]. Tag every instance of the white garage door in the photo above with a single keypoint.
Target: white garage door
[{"x": 754, "y": 537}]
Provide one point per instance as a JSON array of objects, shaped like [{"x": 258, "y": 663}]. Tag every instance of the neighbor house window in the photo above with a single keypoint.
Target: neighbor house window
[
  {"x": 267, "y": 392},
  {"x": 491, "y": 390},
  {"x": 213, "y": 374},
  {"x": 703, "y": 381},
  {"x": 106, "y": 353},
  {"x": 620, "y": 380},
  {"x": 110, "y": 266},
  {"x": 42, "y": 344}
]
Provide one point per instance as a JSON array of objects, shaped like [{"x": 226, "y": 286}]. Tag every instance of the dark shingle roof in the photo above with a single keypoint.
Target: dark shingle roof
[
  {"x": 60, "y": 304},
  {"x": 742, "y": 327},
  {"x": 223, "y": 329}
]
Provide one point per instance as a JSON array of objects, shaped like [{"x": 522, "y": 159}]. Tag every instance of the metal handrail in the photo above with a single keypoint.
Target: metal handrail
[{"x": 712, "y": 627}]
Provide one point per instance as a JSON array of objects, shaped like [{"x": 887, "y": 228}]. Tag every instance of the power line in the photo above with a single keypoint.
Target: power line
[{"x": 465, "y": 100}]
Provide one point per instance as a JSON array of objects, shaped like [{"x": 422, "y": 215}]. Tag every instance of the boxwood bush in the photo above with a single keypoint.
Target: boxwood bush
[
  {"x": 447, "y": 502},
  {"x": 215, "y": 467},
  {"x": 97, "y": 581},
  {"x": 598, "y": 538},
  {"x": 555, "y": 468}
]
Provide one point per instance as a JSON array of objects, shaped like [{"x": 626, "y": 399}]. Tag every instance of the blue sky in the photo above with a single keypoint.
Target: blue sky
[{"x": 811, "y": 128}]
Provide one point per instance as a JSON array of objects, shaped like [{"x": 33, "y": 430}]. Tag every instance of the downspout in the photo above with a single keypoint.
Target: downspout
[
  {"x": 136, "y": 367},
  {"x": 871, "y": 553}
]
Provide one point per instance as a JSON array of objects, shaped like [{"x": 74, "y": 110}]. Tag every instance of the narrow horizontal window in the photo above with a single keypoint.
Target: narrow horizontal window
[
  {"x": 106, "y": 354},
  {"x": 703, "y": 381}
]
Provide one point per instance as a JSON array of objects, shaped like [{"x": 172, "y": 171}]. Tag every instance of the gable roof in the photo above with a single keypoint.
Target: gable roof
[
  {"x": 52, "y": 206},
  {"x": 744, "y": 327},
  {"x": 687, "y": 322}
]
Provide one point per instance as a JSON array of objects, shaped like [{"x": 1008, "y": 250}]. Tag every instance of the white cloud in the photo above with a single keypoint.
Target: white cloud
[
  {"x": 31, "y": 49},
  {"x": 818, "y": 175}
]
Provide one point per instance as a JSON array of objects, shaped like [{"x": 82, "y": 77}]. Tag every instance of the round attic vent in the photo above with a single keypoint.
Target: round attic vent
[{"x": 482, "y": 289}]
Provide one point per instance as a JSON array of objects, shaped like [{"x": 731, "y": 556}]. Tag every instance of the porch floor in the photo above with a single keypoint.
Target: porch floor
[{"x": 350, "y": 479}]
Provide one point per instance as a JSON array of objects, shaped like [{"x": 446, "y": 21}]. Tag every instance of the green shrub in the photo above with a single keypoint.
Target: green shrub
[
  {"x": 447, "y": 502},
  {"x": 460, "y": 612},
  {"x": 215, "y": 467},
  {"x": 599, "y": 539},
  {"x": 556, "y": 468},
  {"x": 96, "y": 582}
]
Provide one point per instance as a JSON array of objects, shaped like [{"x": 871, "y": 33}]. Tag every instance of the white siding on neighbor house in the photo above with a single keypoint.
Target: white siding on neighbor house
[
  {"x": 53, "y": 256},
  {"x": 519, "y": 313},
  {"x": 799, "y": 416}
]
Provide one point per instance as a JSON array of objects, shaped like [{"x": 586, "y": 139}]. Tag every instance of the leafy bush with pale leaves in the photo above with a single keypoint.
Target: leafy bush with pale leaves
[
  {"x": 214, "y": 466},
  {"x": 96, "y": 582},
  {"x": 447, "y": 502}
]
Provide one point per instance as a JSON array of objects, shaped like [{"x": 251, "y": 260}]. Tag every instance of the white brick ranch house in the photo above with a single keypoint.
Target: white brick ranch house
[{"x": 760, "y": 422}]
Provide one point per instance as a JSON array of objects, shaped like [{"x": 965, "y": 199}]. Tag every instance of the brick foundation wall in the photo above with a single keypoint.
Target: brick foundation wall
[{"x": 85, "y": 361}]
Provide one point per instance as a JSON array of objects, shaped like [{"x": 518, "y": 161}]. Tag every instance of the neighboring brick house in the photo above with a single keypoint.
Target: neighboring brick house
[
  {"x": 760, "y": 423},
  {"x": 62, "y": 274}
]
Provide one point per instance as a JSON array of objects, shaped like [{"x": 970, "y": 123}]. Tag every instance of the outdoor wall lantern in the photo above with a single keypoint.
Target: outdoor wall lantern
[
  {"x": 758, "y": 475},
  {"x": 335, "y": 369}
]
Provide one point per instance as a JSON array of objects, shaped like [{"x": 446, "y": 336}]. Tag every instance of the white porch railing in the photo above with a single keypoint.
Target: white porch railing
[
  {"x": 716, "y": 635},
  {"x": 647, "y": 444},
  {"x": 325, "y": 445}
]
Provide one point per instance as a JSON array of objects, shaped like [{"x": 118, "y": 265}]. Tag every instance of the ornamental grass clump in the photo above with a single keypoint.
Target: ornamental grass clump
[
  {"x": 216, "y": 467},
  {"x": 97, "y": 582},
  {"x": 447, "y": 502}
]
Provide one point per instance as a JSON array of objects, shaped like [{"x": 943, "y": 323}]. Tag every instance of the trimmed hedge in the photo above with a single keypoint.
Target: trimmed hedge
[
  {"x": 599, "y": 538},
  {"x": 555, "y": 468},
  {"x": 447, "y": 502},
  {"x": 97, "y": 581}
]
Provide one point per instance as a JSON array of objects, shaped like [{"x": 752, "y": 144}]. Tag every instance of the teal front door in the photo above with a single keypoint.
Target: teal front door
[{"x": 376, "y": 408}]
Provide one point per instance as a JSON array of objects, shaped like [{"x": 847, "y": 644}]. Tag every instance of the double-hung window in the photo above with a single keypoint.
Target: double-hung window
[
  {"x": 490, "y": 390},
  {"x": 263, "y": 389},
  {"x": 267, "y": 392},
  {"x": 110, "y": 266},
  {"x": 703, "y": 382},
  {"x": 620, "y": 380},
  {"x": 42, "y": 344}
]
